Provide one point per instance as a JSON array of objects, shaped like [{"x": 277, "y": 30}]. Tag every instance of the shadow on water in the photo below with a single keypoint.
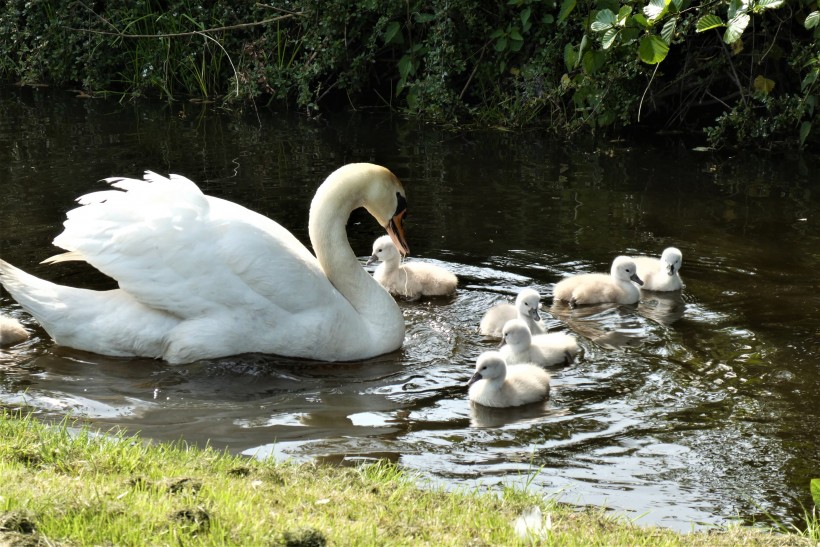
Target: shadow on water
[{"x": 691, "y": 407}]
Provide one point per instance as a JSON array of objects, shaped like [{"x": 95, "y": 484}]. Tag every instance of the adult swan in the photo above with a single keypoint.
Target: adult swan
[{"x": 200, "y": 277}]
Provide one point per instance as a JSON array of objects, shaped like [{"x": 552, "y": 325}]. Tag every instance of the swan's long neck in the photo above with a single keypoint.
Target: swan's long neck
[{"x": 329, "y": 212}]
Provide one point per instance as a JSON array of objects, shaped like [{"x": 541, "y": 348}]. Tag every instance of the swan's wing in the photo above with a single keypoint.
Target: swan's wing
[{"x": 174, "y": 249}]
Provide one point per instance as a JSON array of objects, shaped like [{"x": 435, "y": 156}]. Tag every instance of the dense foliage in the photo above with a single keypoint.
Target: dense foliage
[{"x": 744, "y": 71}]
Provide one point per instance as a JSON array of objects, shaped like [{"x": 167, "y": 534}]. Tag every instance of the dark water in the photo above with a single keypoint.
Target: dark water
[{"x": 687, "y": 409}]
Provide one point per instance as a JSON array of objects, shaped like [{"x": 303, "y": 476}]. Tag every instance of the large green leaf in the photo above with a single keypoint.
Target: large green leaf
[
  {"x": 566, "y": 8},
  {"x": 812, "y": 20},
  {"x": 655, "y": 9},
  {"x": 668, "y": 30},
  {"x": 814, "y": 486},
  {"x": 708, "y": 22},
  {"x": 570, "y": 57},
  {"x": 652, "y": 49},
  {"x": 609, "y": 38},
  {"x": 593, "y": 60},
  {"x": 604, "y": 20},
  {"x": 768, "y": 4},
  {"x": 392, "y": 33},
  {"x": 735, "y": 28}
]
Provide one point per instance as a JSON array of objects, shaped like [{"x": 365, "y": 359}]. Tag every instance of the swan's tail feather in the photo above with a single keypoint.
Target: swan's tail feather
[
  {"x": 39, "y": 297},
  {"x": 64, "y": 257}
]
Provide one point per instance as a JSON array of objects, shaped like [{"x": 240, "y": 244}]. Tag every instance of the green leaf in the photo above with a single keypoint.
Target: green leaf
[
  {"x": 641, "y": 20},
  {"x": 566, "y": 8},
  {"x": 767, "y": 4},
  {"x": 609, "y": 38},
  {"x": 425, "y": 17},
  {"x": 405, "y": 67},
  {"x": 501, "y": 44},
  {"x": 525, "y": 15},
  {"x": 668, "y": 30},
  {"x": 810, "y": 78},
  {"x": 736, "y": 7},
  {"x": 652, "y": 49},
  {"x": 735, "y": 28},
  {"x": 623, "y": 15},
  {"x": 515, "y": 45},
  {"x": 812, "y": 20},
  {"x": 391, "y": 32},
  {"x": 593, "y": 60},
  {"x": 515, "y": 35},
  {"x": 814, "y": 486},
  {"x": 570, "y": 57},
  {"x": 655, "y": 9},
  {"x": 604, "y": 19},
  {"x": 708, "y": 22}
]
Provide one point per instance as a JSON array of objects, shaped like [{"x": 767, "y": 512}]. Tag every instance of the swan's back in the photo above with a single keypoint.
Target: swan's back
[
  {"x": 495, "y": 384},
  {"x": 596, "y": 288},
  {"x": 660, "y": 274},
  {"x": 11, "y": 331}
]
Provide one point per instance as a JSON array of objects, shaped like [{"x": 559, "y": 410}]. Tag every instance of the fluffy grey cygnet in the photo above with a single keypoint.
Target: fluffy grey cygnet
[
  {"x": 497, "y": 385},
  {"x": 520, "y": 346},
  {"x": 599, "y": 288},
  {"x": 663, "y": 274},
  {"x": 412, "y": 279},
  {"x": 11, "y": 331},
  {"x": 526, "y": 308}
]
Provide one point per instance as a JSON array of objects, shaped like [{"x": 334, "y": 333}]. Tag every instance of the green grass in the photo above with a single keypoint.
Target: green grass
[{"x": 61, "y": 485}]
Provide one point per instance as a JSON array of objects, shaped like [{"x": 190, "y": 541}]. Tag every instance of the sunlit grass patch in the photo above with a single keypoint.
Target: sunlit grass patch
[{"x": 66, "y": 485}]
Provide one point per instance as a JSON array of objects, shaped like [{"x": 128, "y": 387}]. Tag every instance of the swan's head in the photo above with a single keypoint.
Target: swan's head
[
  {"x": 384, "y": 198},
  {"x": 671, "y": 260},
  {"x": 527, "y": 303},
  {"x": 490, "y": 365},
  {"x": 623, "y": 268},
  {"x": 517, "y": 334},
  {"x": 384, "y": 250}
]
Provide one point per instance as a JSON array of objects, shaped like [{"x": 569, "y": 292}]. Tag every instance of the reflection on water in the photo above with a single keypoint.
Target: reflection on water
[{"x": 690, "y": 407}]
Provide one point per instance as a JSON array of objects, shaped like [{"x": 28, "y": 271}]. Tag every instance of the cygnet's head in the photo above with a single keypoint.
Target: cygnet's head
[
  {"x": 623, "y": 268},
  {"x": 384, "y": 250},
  {"x": 517, "y": 334},
  {"x": 489, "y": 365},
  {"x": 527, "y": 303},
  {"x": 671, "y": 260}
]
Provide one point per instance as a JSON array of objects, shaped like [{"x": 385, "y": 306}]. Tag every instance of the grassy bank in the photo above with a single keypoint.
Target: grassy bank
[{"x": 65, "y": 486}]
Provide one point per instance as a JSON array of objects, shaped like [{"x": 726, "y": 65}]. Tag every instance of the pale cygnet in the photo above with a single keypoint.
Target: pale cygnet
[
  {"x": 520, "y": 346},
  {"x": 525, "y": 308},
  {"x": 497, "y": 385},
  {"x": 411, "y": 280},
  {"x": 11, "y": 331},
  {"x": 660, "y": 275},
  {"x": 598, "y": 288}
]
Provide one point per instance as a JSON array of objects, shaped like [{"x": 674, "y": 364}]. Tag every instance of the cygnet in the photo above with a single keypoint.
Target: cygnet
[
  {"x": 520, "y": 346},
  {"x": 497, "y": 385},
  {"x": 599, "y": 288},
  {"x": 525, "y": 308},
  {"x": 411, "y": 280},
  {"x": 11, "y": 331},
  {"x": 660, "y": 275}
]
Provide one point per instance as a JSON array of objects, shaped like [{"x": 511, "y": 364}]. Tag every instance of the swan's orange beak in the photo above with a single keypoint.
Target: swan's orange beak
[{"x": 396, "y": 230}]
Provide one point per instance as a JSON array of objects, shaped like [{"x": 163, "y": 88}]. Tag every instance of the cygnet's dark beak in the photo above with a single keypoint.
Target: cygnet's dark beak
[
  {"x": 476, "y": 377},
  {"x": 535, "y": 315},
  {"x": 634, "y": 277},
  {"x": 670, "y": 269},
  {"x": 371, "y": 260}
]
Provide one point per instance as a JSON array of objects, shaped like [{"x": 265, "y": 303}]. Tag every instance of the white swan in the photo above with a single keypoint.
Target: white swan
[
  {"x": 11, "y": 331},
  {"x": 411, "y": 280},
  {"x": 525, "y": 308},
  {"x": 201, "y": 277},
  {"x": 660, "y": 275},
  {"x": 498, "y": 385},
  {"x": 520, "y": 346},
  {"x": 598, "y": 288}
]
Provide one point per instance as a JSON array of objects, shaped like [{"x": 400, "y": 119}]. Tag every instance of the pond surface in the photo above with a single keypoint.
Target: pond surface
[{"x": 687, "y": 409}]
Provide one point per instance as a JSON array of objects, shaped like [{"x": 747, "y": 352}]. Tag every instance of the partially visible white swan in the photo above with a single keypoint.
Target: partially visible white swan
[
  {"x": 520, "y": 346},
  {"x": 11, "y": 331},
  {"x": 660, "y": 275},
  {"x": 201, "y": 277},
  {"x": 498, "y": 385},
  {"x": 412, "y": 279},
  {"x": 598, "y": 288},
  {"x": 526, "y": 307}
]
